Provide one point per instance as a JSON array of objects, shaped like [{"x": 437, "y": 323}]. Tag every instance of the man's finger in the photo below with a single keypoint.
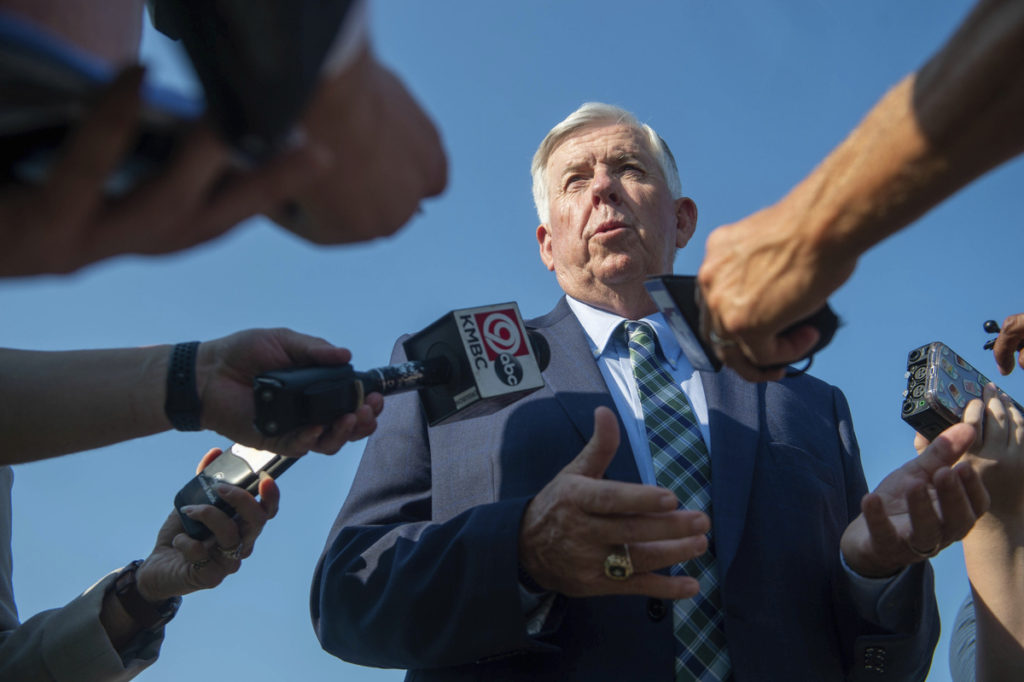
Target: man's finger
[
  {"x": 597, "y": 454},
  {"x": 783, "y": 348},
  {"x": 977, "y": 493},
  {"x": 947, "y": 448},
  {"x": 615, "y": 498},
  {"x": 657, "y": 586},
  {"x": 94, "y": 149},
  {"x": 647, "y": 527},
  {"x": 880, "y": 529},
  {"x": 653, "y": 556},
  {"x": 734, "y": 358},
  {"x": 955, "y": 503}
]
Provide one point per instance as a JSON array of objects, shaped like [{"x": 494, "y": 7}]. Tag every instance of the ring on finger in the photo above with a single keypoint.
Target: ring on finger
[
  {"x": 199, "y": 564},
  {"x": 719, "y": 341},
  {"x": 232, "y": 553},
  {"x": 618, "y": 565},
  {"x": 923, "y": 555}
]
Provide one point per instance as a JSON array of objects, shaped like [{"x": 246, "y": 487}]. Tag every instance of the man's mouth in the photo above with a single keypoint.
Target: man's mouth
[{"x": 610, "y": 226}]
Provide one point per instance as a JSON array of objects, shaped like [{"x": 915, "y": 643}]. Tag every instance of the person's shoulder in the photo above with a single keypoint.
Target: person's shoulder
[
  {"x": 557, "y": 314},
  {"x": 808, "y": 387}
]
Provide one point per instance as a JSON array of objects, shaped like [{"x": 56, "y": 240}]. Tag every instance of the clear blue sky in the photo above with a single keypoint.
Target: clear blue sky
[{"x": 749, "y": 95}]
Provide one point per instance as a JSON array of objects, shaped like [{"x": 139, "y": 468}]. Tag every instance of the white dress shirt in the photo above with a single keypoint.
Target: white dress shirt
[{"x": 612, "y": 355}]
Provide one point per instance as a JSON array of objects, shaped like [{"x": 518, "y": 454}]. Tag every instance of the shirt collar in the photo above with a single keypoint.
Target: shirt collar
[{"x": 600, "y": 326}]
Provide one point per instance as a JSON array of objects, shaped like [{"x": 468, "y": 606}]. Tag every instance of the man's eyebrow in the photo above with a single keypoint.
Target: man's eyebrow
[
  {"x": 628, "y": 156},
  {"x": 574, "y": 167}
]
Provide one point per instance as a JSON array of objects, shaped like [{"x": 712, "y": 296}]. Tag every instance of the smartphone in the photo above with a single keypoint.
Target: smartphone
[
  {"x": 239, "y": 465},
  {"x": 940, "y": 383}
]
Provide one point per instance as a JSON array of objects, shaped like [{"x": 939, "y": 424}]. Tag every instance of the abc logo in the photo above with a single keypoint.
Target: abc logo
[
  {"x": 508, "y": 369},
  {"x": 501, "y": 334}
]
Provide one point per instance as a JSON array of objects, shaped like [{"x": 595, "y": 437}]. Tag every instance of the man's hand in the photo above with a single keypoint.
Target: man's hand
[
  {"x": 578, "y": 519},
  {"x": 226, "y": 367},
  {"x": 387, "y": 157},
  {"x": 760, "y": 276},
  {"x": 69, "y": 221},
  {"x": 918, "y": 509},
  {"x": 1008, "y": 343},
  {"x": 180, "y": 564}
]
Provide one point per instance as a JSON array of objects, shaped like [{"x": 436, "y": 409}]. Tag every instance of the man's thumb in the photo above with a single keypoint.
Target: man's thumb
[{"x": 597, "y": 454}]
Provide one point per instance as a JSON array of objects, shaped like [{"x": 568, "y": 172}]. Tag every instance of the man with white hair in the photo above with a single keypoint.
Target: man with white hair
[{"x": 705, "y": 545}]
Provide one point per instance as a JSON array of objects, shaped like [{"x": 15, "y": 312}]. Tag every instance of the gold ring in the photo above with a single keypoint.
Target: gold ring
[
  {"x": 719, "y": 341},
  {"x": 233, "y": 553},
  {"x": 618, "y": 566}
]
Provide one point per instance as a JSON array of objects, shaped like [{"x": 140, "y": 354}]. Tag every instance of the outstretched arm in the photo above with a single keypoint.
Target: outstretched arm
[
  {"x": 936, "y": 131},
  {"x": 994, "y": 549},
  {"x": 55, "y": 403}
]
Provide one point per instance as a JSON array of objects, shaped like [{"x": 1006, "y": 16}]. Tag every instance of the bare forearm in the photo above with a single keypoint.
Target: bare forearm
[
  {"x": 994, "y": 554},
  {"x": 55, "y": 403},
  {"x": 937, "y": 130}
]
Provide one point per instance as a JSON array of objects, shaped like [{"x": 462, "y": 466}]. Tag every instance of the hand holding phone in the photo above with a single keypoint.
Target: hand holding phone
[{"x": 239, "y": 465}]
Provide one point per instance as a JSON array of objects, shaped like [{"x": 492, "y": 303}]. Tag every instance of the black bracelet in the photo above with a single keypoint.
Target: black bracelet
[{"x": 182, "y": 405}]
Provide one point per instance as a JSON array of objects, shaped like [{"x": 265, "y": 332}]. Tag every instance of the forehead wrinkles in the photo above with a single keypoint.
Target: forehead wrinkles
[{"x": 599, "y": 145}]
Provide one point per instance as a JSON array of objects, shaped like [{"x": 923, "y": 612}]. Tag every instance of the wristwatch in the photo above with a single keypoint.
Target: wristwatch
[{"x": 148, "y": 615}]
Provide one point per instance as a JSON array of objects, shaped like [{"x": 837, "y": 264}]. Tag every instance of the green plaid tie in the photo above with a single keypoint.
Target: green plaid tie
[{"x": 682, "y": 465}]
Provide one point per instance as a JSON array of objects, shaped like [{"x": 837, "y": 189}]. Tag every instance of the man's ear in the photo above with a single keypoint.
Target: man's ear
[
  {"x": 686, "y": 220},
  {"x": 544, "y": 241}
]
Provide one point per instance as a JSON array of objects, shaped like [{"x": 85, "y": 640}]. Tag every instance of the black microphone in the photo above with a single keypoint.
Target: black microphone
[{"x": 469, "y": 363}]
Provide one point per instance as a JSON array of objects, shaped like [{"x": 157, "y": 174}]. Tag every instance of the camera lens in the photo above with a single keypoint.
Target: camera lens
[{"x": 914, "y": 355}]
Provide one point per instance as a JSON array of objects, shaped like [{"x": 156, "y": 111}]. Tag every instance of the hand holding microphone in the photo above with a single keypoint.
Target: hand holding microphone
[{"x": 470, "y": 362}]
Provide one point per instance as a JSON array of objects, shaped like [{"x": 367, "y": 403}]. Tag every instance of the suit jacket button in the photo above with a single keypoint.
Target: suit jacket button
[
  {"x": 874, "y": 659},
  {"x": 656, "y": 609}
]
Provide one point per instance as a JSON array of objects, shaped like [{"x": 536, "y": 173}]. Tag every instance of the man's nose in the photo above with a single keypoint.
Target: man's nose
[{"x": 604, "y": 188}]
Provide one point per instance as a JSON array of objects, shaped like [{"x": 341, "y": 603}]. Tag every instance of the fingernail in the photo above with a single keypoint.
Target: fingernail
[
  {"x": 188, "y": 511},
  {"x": 223, "y": 489}
]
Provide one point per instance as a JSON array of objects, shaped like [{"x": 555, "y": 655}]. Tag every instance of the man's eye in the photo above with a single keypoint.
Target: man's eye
[
  {"x": 630, "y": 168},
  {"x": 574, "y": 180}
]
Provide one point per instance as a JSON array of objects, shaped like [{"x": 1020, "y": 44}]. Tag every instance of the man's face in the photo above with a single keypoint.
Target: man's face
[{"x": 613, "y": 221}]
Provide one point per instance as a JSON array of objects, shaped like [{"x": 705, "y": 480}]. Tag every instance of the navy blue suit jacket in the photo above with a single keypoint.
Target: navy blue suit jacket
[{"x": 420, "y": 569}]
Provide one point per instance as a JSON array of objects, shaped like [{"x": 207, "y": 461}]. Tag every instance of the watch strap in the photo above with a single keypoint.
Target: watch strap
[
  {"x": 148, "y": 615},
  {"x": 182, "y": 405}
]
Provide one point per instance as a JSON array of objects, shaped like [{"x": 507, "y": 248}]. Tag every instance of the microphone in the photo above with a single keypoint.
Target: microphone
[{"x": 468, "y": 363}]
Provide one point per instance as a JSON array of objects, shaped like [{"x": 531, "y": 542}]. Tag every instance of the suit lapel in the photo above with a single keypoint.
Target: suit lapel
[
  {"x": 577, "y": 384},
  {"x": 734, "y": 408}
]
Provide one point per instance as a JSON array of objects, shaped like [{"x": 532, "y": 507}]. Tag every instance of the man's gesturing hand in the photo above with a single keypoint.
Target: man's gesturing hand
[
  {"x": 578, "y": 519},
  {"x": 918, "y": 509}
]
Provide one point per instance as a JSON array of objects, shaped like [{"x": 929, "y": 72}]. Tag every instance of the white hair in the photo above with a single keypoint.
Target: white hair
[{"x": 591, "y": 114}]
